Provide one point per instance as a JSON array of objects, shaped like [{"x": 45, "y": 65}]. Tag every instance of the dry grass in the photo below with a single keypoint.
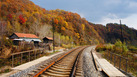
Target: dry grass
[
  {"x": 5, "y": 69},
  {"x": 6, "y": 52}
]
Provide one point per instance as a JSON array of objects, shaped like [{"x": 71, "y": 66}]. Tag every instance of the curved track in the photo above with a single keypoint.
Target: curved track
[{"x": 68, "y": 65}]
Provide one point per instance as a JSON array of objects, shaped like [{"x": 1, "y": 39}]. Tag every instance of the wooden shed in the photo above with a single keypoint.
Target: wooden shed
[{"x": 47, "y": 40}]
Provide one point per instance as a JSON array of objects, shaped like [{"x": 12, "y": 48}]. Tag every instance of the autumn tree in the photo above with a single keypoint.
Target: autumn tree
[
  {"x": 22, "y": 20},
  {"x": 9, "y": 17}
]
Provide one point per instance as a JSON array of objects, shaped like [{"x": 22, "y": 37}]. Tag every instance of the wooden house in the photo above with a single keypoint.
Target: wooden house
[
  {"x": 47, "y": 40},
  {"x": 19, "y": 37}
]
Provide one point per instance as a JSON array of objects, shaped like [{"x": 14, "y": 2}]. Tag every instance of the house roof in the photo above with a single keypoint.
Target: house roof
[
  {"x": 49, "y": 38},
  {"x": 26, "y": 35}
]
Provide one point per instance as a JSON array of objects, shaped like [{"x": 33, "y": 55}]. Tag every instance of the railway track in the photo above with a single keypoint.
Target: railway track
[{"x": 69, "y": 65}]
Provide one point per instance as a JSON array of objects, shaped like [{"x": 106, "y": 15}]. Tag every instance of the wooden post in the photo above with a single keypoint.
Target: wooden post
[
  {"x": 119, "y": 62},
  {"x": 110, "y": 57},
  {"x": 12, "y": 60},
  {"x": 29, "y": 56},
  {"x": 21, "y": 57},
  {"x": 43, "y": 52},
  {"x": 126, "y": 65},
  {"x": 38, "y": 52},
  {"x": 114, "y": 60},
  {"x": 35, "y": 53}
]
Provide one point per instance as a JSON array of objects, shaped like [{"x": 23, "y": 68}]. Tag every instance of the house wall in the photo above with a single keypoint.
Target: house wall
[
  {"x": 16, "y": 42},
  {"x": 50, "y": 41},
  {"x": 47, "y": 41},
  {"x": 29, "y": 39}
]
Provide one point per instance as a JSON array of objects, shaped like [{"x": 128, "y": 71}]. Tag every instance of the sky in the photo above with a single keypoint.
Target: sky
[{"x": 97, "y": 11}]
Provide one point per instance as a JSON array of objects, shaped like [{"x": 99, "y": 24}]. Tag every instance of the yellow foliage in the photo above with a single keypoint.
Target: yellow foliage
[
  {"x": 96, "y": 41},
  {"x": 17, "y": 27},
  {"x": 67, "y": 38},
  {"x": 66, "y": 25},
  {"x": 83, "y": 27},
  {"x": 9, "y": 25},
  {"x": 70, "y": 27},
  {"x": 26, "y": 14},
  {"x": 77, "y": 34}
]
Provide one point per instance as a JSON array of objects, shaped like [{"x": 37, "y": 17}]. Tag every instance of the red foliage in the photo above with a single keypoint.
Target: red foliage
[
  {"x": 21, "y": 19},
  {"x": 9, "y": 16}
]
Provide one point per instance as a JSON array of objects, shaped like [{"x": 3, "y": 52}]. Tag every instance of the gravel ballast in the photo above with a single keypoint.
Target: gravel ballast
[{"x": 88, "y": 64}]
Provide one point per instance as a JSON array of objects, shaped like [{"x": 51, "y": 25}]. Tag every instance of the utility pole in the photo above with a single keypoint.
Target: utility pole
[
  {"x": 121, "y": 35},
  {"x": 53, "y": 35},
  {"x": 59, "y": 35},
  {"x": 121, "y": 32}
]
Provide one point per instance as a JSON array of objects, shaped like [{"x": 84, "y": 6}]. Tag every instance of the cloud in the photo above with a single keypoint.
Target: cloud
[
  {"x": 114, "y": 2},
  {"x": 131, "y": 21},
  {"x": 112, "y": 16},
  {"x": 132, "y": 6}
]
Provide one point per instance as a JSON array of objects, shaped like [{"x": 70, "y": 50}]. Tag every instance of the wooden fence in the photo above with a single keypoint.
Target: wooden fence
[{"x": 26, "y": 56}]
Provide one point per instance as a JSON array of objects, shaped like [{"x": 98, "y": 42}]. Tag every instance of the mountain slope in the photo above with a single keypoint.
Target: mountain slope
[{"x": 24, "y": 16}]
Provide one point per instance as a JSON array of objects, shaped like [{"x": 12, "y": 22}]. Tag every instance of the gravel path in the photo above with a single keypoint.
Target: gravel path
[{"x": 88, "y": 64}]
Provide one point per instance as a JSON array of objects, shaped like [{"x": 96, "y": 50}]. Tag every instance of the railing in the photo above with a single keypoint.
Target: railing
[
  {"x": 118, "y": 61},
  {"x": 26, "y": 56}
]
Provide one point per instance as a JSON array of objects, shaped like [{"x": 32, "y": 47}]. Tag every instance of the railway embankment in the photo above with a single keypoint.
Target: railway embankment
[{"x": 24, "y": 69}]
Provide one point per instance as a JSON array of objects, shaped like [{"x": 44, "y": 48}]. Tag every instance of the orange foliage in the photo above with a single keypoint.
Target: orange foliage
[
  {"x": 62, "y": 28},
  {"x": 55, "y": 21}
]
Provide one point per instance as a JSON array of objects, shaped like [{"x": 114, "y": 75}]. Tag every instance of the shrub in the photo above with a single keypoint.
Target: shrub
[
  {"x": 133, "y": 49},
  {"x": 100, "y": 47},
  {"x": 109, "y": 47},
  {"x": 120, "y": 47},
  {"x": 118, "y": 43}
]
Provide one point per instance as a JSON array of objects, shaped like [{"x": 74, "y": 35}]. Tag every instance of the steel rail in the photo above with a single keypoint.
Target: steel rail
[
  {"x": 41, "y": 71},
  {"x": 72, "y": 74}
]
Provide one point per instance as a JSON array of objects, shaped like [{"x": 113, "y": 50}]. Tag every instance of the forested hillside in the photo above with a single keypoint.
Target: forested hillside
[
  {"x": 24, "y": 16},
  {"x": 112, "y": 32}
]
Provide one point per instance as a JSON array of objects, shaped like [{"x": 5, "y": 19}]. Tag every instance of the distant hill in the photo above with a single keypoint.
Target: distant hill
[
  {"x": 25, "y": 16},
  {"x": 112, "y": 32}
]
